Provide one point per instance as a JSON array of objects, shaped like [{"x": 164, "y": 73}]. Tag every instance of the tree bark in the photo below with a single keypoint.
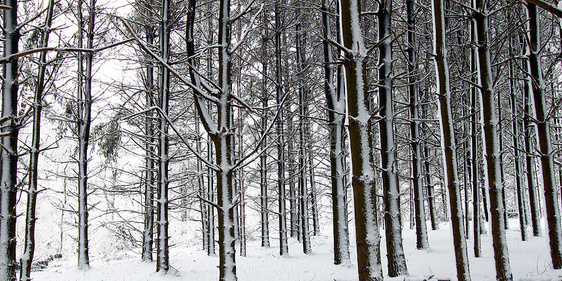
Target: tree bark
[
  {"x": 9, "y": 153},
  {"x": 163, "y": 254},
  {"x": 148, "y": 231},
  {"x": 263, "y": 158},
  {"x": 421, "y": 227},
  {"x": 448, "y": 143},
  {"x": 29, "y": 244},
  {"x": 303, "y": 93},
  {"x": 491, "y": 144},
  {"x": 543, "y": 133},
  {"x": 335, "y": 99},
  {"x": 391, "y": 188},
  {"x": 84, "y": 123},
  {"x": 363, "y": 181},
  {"x": 532, "y": 183},
  {"x": 283, "y": 243}
]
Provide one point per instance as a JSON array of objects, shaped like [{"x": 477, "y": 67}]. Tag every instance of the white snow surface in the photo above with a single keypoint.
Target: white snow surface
[{"x": 530, "y": 260}]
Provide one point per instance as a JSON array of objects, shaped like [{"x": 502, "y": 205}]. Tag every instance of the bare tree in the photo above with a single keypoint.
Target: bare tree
[{"x": 448, "y": 142}]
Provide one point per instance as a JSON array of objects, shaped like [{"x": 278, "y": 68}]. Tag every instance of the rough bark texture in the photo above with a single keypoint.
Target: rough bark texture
[
  {"x": 363, "y": 182},
  {"x": 543, "y": 133},
  {"x": 9, "y": 153},
  {"x": 448, "y": 143},
  {"x": 491, "y": 144}
]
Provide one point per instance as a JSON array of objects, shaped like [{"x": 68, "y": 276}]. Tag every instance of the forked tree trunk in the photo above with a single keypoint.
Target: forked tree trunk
[{"x": 448, "y": 143}]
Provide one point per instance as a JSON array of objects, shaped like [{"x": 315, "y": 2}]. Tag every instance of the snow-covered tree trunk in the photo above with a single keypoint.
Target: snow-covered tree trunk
[
  {"x": 149, "y": 181},
  {"x": 516, "y": 147},
  {"x": 264, "y": 124},
  {"x": 421, "y": 228},
  {"x": 336, "y": 103},
  {"x": 224, "y": 145},
  {"x": 29, "y": 244},
  {"x": 283, "y": 243},
  {"x": 476, "y": 213},
  {"x": 84, "y": 123},
  {"x": 360, "y": 127},
  {"x": 302, "y": 178},
  {"x": 163, "y": 254},
  {"x": 428, "y": 174},
  {"x": 9, "y": 153},
  {"x": 430, "y": 190},
  {"x": 201, "y": 186},
  {"x": 532, "y": 183},
  {"x": 500, "y": 160},
  {"x": 543, "y": 133},
  {"x": 474, "y": 152},
  {"x": 448, "y": 142},
  {"x": 491, "y": 143},
  {"x": 211, "y": 247},
  {"x": 391, "y": 190},
  {"x": 313, "y": 191}
]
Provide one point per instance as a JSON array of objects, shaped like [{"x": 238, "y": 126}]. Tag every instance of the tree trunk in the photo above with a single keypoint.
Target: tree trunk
[
  {"x": 148, "y": 231},
  {"x": 395, "y": 253},
  {"x": 210, "y": 172},
  {"x": 335, "y": 98},
  {"x": 517, "y": 158},
  {"x": 491, "y": 144},
  {"x": 9, "y": 153},
  {"x": 543, "y": 133},
  {"x": 529, "y": 148},
  {"x": 163, "y": 254},
  {"x": 421, "y": 228},
  {"x": 303, "y": 92},
  {"x": 264, "y": 123},
  {"x": 476, "y": 208},
  {"x": 84, "y": 122},
  {"x": 283, "y": 243},
  {"x": 364, "y": 192},
  {"x": 448, "y": 143},
  {"x": 29, "y": 244}
]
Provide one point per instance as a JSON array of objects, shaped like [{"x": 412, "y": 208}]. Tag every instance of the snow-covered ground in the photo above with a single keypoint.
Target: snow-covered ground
[{"x": 530, "y": 260}]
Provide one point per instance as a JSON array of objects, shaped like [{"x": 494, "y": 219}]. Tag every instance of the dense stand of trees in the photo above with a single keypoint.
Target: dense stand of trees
[{"x": 228, "y": 107}]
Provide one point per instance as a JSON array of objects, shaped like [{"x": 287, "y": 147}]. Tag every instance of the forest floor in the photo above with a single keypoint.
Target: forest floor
[{"x": 530, "y": 260}]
